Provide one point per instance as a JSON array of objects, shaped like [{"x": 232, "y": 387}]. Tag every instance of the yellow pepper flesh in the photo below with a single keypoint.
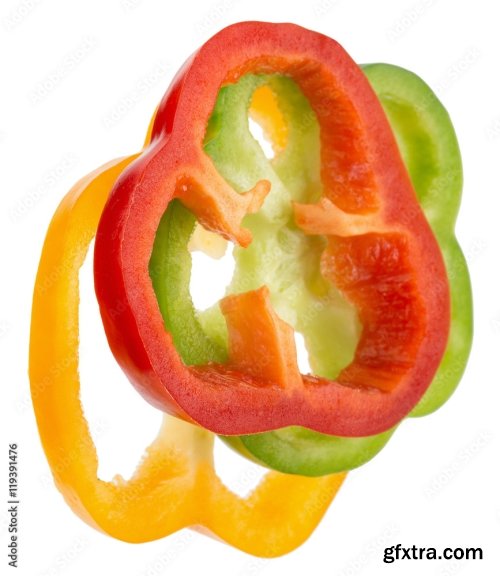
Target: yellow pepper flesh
[{"x": 175, "y": 485}]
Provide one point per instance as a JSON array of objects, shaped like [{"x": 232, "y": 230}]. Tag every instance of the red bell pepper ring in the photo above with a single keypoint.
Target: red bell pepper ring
[{"x": 381, "y": 252}]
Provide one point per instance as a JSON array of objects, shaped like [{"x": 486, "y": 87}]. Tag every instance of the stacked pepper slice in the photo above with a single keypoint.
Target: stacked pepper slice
[
  {"x": 335, "y": 239},
  {"x": 378, "y": 250}
]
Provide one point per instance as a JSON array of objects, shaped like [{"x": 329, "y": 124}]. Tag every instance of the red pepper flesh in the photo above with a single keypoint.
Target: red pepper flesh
[{"x": 381, "y": 252}]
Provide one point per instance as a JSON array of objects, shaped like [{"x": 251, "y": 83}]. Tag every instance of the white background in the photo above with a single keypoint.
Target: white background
[{"x": 79, "y": 83}]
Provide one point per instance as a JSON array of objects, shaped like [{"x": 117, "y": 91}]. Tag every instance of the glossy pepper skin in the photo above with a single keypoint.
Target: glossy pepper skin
[
  {"x": 380, "y": 253},
  {"x": 175, "y": 485},
  {"x": 428, "y": 143}
]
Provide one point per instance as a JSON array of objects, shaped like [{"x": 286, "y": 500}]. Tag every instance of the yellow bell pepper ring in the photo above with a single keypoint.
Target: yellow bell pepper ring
[{"x": 175, "y": 486}]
